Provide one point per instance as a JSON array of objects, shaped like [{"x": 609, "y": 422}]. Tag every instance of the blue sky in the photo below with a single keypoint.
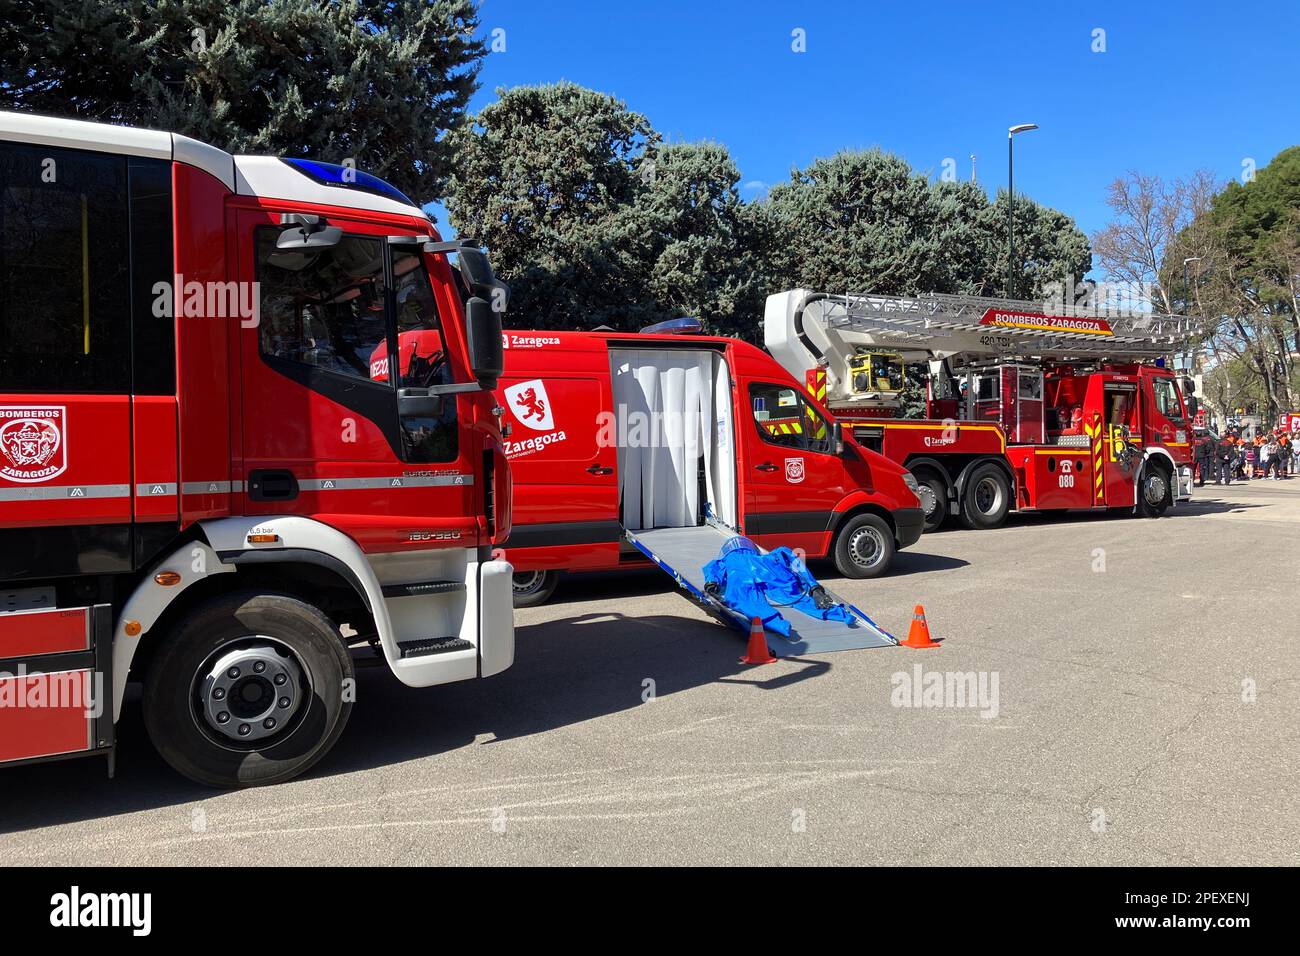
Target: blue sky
[{"x": 1179, "y": 87}]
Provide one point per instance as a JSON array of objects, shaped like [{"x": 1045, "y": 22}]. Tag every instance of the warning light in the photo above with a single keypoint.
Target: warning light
[
  {"x": 167, "y": 578},
  {"x": 132, "y": 628},
  {"x": 263, "y": 538}
]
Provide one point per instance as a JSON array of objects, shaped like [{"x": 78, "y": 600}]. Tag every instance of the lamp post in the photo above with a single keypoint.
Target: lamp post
[{"x": 1011, "y": 208}]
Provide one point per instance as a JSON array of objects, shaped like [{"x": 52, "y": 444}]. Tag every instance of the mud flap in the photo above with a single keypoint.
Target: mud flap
[{"x": 682, "y": 553}]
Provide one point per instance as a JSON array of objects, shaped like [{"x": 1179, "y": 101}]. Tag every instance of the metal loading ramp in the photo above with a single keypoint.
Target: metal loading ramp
[{"x": 682, "y": 553}]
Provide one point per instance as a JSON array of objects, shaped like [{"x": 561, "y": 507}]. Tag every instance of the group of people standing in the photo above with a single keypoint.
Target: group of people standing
[{"x": 1266, "y": 455}]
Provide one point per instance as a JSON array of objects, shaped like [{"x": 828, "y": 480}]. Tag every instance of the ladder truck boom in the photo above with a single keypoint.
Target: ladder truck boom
[{"x": 806, "y": 330}]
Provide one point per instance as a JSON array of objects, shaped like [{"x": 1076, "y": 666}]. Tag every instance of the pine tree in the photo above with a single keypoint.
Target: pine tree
[{"x": 370, "y": 81}]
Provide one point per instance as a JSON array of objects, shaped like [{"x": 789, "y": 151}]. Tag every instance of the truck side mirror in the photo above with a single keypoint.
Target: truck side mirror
[
  {"x": 483, "y": 330},
  {"x": 837, "y": 438},
  {"x": 1193, "y": 405},
  {"x": 302, "y": 231},
  {"x": 418, "y": 403}
]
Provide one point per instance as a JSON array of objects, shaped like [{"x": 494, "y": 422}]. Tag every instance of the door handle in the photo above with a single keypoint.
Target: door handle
[
  {"x": 766, "y": 466},
  {"x": 272, "y": 485},
  {"x": 595, "y": 469}
]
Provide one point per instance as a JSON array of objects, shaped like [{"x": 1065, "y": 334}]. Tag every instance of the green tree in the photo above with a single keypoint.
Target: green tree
[
  {"x": 864, "y": 221},
  {"x": 1050, "y": 249},
  {"x": 1248, "y": 288},
  {"x": 372, "y": 81},
  {"x": 593, "y": 221},
  {"x": 697, "y": 242}
]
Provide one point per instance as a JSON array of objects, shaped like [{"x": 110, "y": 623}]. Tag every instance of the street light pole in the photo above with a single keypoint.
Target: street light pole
[{"x": 1011, "y": 208}]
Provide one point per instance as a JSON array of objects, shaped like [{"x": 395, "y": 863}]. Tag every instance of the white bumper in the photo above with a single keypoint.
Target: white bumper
[{"x": 496, "y": 618}]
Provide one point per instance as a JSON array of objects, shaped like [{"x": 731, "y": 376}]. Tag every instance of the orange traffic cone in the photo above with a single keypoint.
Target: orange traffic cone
[
  {"x": 919, "y": 633},
  {"x": 758, "y": 649}
]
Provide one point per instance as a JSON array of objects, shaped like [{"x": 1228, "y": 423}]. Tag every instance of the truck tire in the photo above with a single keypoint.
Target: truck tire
[
  {"x": 249, "y": 690},
  {"x": 1153, "y": 491},
  {"x": 533, "y": 588},
  {"x": 864, "y": 547},
  {"x": 934, "y": 498},
  {"x": 985, "y": 498}
]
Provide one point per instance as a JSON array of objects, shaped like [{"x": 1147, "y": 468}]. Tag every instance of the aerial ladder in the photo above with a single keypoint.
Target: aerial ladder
[{"x": 1030, "y": 405}]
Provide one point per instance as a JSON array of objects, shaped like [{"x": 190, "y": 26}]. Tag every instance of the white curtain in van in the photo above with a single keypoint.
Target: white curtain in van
[{"x": 673, "y": 410}]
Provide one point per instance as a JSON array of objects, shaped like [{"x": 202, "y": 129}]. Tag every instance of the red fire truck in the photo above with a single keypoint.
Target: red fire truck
[
  {"x": 202, "y": 487},
  {"x": 656, "y": 446},
  {"x": 1056, "y": 409}
]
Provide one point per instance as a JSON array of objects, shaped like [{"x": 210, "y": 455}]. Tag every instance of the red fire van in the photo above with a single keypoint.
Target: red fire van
[{"x": 614, "y": 434}]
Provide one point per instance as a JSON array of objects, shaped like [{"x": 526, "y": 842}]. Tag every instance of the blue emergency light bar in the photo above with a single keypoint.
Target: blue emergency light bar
[
  {"x": 683, "y": 326},
  {"x": 345, "y": 177}
]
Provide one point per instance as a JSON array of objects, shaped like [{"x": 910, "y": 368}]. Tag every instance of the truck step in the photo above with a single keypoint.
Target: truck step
[
  {"x": 423, "y": 647},
  {"x": 422, "y": 588}
]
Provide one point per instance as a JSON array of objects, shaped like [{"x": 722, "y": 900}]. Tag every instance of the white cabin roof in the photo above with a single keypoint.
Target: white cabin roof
[{"x": 263, "y": 176}]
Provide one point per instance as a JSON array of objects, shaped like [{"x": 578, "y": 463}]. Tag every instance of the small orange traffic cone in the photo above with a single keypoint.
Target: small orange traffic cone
[
  {"x": 919, "y": 633},
  {"x": 759, "y": 653}
]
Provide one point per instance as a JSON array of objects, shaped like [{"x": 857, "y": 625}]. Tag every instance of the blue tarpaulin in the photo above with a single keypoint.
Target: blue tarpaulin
[{"x": 762, "y": 585}]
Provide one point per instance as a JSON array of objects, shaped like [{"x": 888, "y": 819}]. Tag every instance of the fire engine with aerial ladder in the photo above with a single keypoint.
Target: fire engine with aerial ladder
[{"x": 1030, "y": 406}]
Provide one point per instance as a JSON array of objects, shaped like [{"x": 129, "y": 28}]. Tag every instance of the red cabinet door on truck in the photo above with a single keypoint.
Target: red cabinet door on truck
[
  {"x": 564, "y": 468},
  {"x": 87, "y": 375},
  {"x": 793, "y": 479},
  {"x": 321, "y": 429}
]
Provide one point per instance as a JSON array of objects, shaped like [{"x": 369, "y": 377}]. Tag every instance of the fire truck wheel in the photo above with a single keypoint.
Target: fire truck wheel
[
  {"x": 864, "y": 547},
  {"x": 934, "y": 499},
  {"x": 532, "y": 588},
  {"x": 249, "y": 690},
  {"x": 1153, "y": 492},
  {"x": 986, "y": 498}
]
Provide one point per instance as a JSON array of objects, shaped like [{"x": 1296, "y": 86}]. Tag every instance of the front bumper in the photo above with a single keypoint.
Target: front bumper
[{"x": 908, "y": 525}]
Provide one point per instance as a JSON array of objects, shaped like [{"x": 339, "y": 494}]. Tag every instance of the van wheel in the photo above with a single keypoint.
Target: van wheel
[
  {"x": 249, "y": 690},
  {"x": 934, "y": 498},
  {"x": 532, "y": 588},
  {"x": 864, "y": 547},
  {"x": 1153, "y": 492},
  {"x": 986, "y": 498}
]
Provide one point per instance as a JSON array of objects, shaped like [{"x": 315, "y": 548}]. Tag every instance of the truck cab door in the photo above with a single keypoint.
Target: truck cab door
[
  {"x": 1123, "y": 440},
  {"x": 793, "y": 479},
  {"x": 325, "y": 431}
]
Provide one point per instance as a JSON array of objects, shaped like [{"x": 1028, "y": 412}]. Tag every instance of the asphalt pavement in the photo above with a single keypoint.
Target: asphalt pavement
[{"x": 1109, "y": 690}]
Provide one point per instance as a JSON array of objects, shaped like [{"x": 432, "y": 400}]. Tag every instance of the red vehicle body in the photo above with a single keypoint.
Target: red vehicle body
[
  {"x": 1106, "y": 421},
  {"x": 767, "y": 459},
  {"x": 201, "y": 485},
  {"x": 1027, "y": 434}
]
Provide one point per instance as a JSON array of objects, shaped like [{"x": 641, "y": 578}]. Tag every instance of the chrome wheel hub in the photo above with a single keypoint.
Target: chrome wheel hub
[
  {"x": 1155, "y": 488},
  {"x": 929, "y": 500},
  {"x": 252, "y": 692}
]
